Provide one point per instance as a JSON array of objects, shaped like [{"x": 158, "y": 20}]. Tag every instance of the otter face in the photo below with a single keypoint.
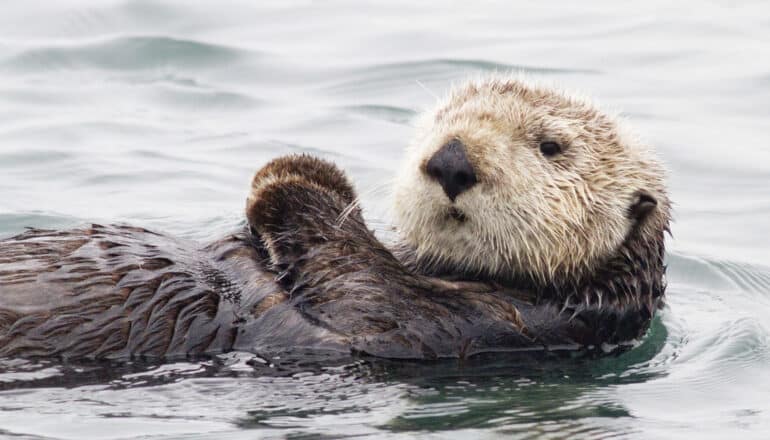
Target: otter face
[{"x": 508, "y": 179}]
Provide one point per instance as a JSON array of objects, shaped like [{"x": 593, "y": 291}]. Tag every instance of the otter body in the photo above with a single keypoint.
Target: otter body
[
  {"x": 118, "y": 292},
  {"x": 528, "y": 220}
]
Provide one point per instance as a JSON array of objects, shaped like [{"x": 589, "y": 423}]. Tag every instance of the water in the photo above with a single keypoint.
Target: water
[{"x": 157, "y": 113}]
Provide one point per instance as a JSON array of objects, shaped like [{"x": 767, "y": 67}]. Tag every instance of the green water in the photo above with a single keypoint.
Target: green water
[{"x": 157, "y": 113}]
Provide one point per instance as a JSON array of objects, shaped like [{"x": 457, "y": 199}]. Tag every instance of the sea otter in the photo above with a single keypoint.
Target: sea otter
[{"x": 528, "y": 219}]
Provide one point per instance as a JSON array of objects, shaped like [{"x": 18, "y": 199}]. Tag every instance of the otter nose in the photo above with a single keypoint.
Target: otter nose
[{"x": 450, "y": 167}]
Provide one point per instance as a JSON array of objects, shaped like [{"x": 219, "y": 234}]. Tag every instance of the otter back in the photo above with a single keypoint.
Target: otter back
[{"x": 120, "y": 291}]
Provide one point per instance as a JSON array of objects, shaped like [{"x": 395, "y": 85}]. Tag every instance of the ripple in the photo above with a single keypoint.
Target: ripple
[
  {"x": 387, "y": 76},
  {"x": 727, "y": 350},
  {"x": 14, "y": 223},
  {"x": 16, "y": 371},
  {"x": 739, "y": 288},
  {"x": 139, "y": 175},
  {"x": 691, "y": 270},
  {"x": 34, "y": 157},
  {"x": 271, "y": 148},
  {"x": 747, "y": 277},
  {"x": 204, "y": 100},
  {"x": 446, "y": 64},
  {"x": 81, "y": 132},
  {"x": 125, "y": 53},
  {"x": 398, "y": 115}
]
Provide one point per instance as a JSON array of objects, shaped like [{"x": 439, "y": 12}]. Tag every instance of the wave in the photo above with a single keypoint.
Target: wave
[
  {"x": 393, "y": 75},
  {"x": 398, "y": 115},
  {"x": 714, "y": 275},
  {"x": 125, "y": 54},
  {"x": 14, "y": 223}
]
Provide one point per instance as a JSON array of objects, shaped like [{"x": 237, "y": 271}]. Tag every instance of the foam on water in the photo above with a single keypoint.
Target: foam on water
[{"x": 156, "y": 113}]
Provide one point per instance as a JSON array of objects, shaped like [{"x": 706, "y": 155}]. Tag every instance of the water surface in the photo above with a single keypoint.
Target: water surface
[{"x": 157, "y": 113}]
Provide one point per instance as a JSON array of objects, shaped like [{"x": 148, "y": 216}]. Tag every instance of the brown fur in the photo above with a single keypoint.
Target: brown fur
[
  {"x": 308, "y": 168},
  {"x": 308, "y": 274}
]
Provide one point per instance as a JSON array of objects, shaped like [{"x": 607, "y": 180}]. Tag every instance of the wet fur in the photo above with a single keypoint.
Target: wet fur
[
  {"x": 308, "y": 274},
  {"x": 119, "y": 292},
  {"x": 582, "y": 231}
]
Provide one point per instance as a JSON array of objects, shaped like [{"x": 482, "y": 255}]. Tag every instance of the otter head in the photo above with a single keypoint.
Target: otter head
[{"x": 510, "y": 180}]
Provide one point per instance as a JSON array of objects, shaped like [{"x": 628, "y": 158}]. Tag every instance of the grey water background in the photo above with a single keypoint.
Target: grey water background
[{"x": 157, "y": 113}]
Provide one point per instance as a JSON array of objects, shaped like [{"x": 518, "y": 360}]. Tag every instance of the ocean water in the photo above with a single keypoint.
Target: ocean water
[{"x": 157, "y": 113}]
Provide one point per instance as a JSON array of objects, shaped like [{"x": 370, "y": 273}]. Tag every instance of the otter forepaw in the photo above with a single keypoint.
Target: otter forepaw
[
  {"x": 312, "y": 169},
  {"x": 298, "y": 203}
]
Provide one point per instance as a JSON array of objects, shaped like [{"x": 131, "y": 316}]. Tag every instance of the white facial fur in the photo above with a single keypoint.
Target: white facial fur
[{"x": 528, "y": 215}]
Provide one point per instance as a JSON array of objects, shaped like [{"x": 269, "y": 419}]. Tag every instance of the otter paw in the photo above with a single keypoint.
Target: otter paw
[
  {"x": 309, "y": 168},
  {"x": 292, "y": 215}
]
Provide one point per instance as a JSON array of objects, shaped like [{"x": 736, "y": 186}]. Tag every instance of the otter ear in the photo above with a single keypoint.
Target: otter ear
[{"x": 644, "y": 204}]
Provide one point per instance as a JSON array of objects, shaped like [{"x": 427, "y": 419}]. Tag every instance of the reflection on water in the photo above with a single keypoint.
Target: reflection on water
[
  {"x": 356, "y": 396},
  {"x": 157, "y": 113}
]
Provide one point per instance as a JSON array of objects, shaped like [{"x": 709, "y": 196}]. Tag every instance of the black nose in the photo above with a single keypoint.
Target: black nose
[{"x": 451, "y": 169}]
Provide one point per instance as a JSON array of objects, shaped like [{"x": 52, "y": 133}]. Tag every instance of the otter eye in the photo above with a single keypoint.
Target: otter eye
[{"x": 550, "y": 148}]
